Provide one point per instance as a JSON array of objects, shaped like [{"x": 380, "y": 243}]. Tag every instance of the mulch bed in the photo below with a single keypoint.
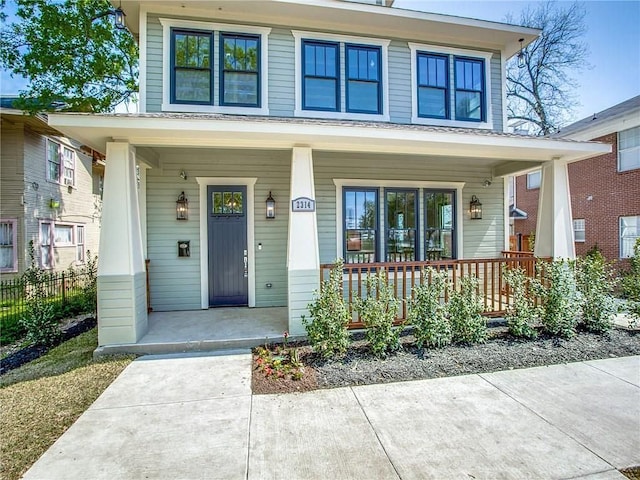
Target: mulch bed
[
  {"x": 20, "y": 356},
  {"x": 501, "y": 352}
]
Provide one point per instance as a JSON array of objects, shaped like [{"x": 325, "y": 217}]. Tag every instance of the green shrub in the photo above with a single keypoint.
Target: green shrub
[
  {"x": 378, "y": 311},
  {"x": 39, "y": 319},
  {"x": 327, "y": 330},
  {"x": 560, "y": 297},
  {"x": 464, "y": 311},
  {"x": 427, "y": 313},
  {"x": 523, "y": 314},
  {"x": 89, "y": 302},
  {"x": 595, "y": 281}
]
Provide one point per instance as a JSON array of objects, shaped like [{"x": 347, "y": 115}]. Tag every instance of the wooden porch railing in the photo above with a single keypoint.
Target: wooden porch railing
[{"x": 404, "y": 276}]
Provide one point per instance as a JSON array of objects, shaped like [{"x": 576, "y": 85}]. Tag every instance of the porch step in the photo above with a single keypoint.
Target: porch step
[{"x": 161, "y": 348}]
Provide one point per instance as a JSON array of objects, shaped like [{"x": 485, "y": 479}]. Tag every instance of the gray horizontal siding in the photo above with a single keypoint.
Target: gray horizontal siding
[
  {"x": 175, "y": 282},
  {"x": 399, "y": 82},
  {"x": 281, "y": 73},
  {"x": 496, "y": 91},
  {"x": 154, "y": 64},
  {"x": 483, "y": 238}
]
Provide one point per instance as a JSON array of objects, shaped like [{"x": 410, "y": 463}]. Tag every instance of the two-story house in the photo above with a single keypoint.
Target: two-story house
[
  {"x": 49, "y": 194},
  {"x": 276, "y": 136},
  {"x": 605, "y": 190}
]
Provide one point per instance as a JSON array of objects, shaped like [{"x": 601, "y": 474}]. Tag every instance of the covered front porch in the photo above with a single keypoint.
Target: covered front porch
[{"x": 325, "y": 165}]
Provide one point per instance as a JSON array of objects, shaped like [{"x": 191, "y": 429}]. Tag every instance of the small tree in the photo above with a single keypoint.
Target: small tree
[
  {"x": 595, "y": 281},
  {"x": 427, "y": 313},
  {"x": 378, "y": 311},
  {"x": 631, "y": 283},
  {"x": 327, "y": 330}
]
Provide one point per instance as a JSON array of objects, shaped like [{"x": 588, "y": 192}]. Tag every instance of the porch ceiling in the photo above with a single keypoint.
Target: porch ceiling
[{"x": 510, "y": 153}]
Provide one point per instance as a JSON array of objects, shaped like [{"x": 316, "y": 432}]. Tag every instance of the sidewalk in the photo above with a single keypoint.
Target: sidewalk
[{"x": 188, "y": 417}]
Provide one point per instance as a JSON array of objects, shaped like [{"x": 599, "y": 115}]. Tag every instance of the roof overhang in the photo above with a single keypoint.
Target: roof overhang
[
  {"x": 340, "y": 17},
  {"x": 37, "y": 123},
  {"x": 516, "y": 214},
  {"x": 597, "y": 129},
  {"x": 218, "y": 131}
]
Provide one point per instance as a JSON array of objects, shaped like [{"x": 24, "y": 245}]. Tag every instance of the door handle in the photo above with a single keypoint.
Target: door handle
[{"x": 246, "y": 263}]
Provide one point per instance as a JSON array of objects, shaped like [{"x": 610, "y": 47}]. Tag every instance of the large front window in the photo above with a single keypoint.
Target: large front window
[
  {"x": 363, "y": 79},
  {"x": 401, "y": 225},
  {"x": 321, "y": 86},
  {"x": 241, "y": 70},
  {"x": 360, "y": 225},
  {"x": 469, "y": 75},
  {"x": 192, "y": 71},
  {"x": 440, "y": 224},
  {"x": 433, "y": 86}
]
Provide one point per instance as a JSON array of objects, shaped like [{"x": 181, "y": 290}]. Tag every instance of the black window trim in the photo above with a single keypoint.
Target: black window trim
[
  {"x": 454, "y": 218},
  {"x": 258, "y": 73},
  {"x": 378, "y": 50},
  {"x": 416, "y": 191},
  {"x": 337, "y": 78},
  {"x": 447, "y": 87},
  {"x": 483, "y": 99},
  {"x": 376, "y": 190},
  {"x": 190, "y": 31}
]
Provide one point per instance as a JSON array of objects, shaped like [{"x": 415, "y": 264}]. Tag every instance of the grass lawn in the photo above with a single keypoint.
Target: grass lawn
[{"x": 40, "y": 400}]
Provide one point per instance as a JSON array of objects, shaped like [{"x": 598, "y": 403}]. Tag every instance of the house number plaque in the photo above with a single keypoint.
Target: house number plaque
[{"x": 303, "y": 204}]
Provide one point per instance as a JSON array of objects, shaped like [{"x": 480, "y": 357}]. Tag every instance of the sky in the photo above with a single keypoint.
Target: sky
[{"x": 613, "y": 36}]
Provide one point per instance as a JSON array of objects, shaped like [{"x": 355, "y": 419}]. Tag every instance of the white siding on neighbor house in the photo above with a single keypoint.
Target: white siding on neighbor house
[
  {"x": 282, "y": 75},
  {"x": 175, "y": 282},
  {"x": 481, "y": 238}
]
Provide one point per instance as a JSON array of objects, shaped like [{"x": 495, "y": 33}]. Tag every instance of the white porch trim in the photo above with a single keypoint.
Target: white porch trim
[{"x": 204, "y": 182}]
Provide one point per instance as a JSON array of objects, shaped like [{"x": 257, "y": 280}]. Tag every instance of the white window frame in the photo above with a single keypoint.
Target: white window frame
[
  {"x": 48, "y": 245},
  {"x": 579, "y": 226},
  {"x": 80, "y": 243},
  {"x": 340, "y": 183},
  {"x": 215, "y": 28},
  {"x": 450, "y": 53},
  {"x": 49, "y": 160},
  {"x": 530, "y": 175},
  {"x": 14, "y": 244},
  {"x": 68, "y": 164},
  {"x": 341, "y": 40},
  {"x": 621, "y": 238},
  {"x": 633, "y": 150}
]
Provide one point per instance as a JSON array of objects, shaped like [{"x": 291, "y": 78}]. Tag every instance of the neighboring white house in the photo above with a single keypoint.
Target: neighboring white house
[
  {"x": 373, "y": 129},
  {"x": 50, "y": 194}
]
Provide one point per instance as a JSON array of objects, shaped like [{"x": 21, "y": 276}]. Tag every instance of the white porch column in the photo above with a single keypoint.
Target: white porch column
[
  {"x": 122, "y": 298},
  {"x": 554, "y": 229},
  {"x": 303, "y": 255}
]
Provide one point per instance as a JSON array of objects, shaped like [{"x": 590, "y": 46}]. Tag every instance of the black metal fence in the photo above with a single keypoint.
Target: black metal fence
[{"x": 65, "y": 291}]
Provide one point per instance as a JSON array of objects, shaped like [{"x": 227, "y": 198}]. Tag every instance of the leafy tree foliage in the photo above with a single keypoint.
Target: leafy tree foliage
[
  {"x": 541, "y": 93},
  {"x": 72, "y": 55}
]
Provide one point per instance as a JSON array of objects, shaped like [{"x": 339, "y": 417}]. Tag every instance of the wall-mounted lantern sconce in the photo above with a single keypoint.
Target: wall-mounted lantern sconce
[
  {"x": 183, "y": 175},
  {"x": 475, "y": 208},
  {"x": 118, "y": 17},
  {"x": 271, "y": 207},
  {"x": 521, "y": 59},
  {"x": 182, "y": 208}
]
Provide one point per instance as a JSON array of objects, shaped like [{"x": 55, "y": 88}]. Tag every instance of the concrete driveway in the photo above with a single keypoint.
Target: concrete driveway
[{"x": 193, "y": 417}]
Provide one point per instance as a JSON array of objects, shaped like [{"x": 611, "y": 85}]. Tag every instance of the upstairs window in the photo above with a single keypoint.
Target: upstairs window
[
  {"x": 469, "y": 75},
  {"x": 69, "y": 159},
  {"x": 364, "y": 94},
  {"x": 53, "y": 161},
  {"x": 320, "y": 85},
  {"x": 629, "y": 149},
  {"x": 433, "y": 86},
  {"x": 240, "y": 70},
  {"x": 191, "y": 67}
]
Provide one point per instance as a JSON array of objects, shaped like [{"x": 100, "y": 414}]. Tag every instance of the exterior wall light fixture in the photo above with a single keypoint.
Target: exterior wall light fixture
[
  {"x": 182, "y": 208},
  {"x": 270, "y": 207},
  {"x": 521, "y": 62},
  {"x": 118, "y": 17},
  {"x": 475, "y": 208}
]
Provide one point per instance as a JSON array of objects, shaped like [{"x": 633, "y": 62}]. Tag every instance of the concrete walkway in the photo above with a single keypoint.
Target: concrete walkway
[{"x": 193, "y": 417}]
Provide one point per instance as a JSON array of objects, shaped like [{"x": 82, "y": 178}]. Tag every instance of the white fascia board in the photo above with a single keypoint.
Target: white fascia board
[
  {"x": 94, "y": 130},
  {"x": 618, "y": 124}
]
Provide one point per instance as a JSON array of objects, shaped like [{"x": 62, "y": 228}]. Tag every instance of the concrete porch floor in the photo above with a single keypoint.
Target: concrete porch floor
[{"x": 206, "y": 330}]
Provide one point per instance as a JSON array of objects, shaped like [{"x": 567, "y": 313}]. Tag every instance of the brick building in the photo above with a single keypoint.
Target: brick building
[{"x": 605, "y": 190}]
